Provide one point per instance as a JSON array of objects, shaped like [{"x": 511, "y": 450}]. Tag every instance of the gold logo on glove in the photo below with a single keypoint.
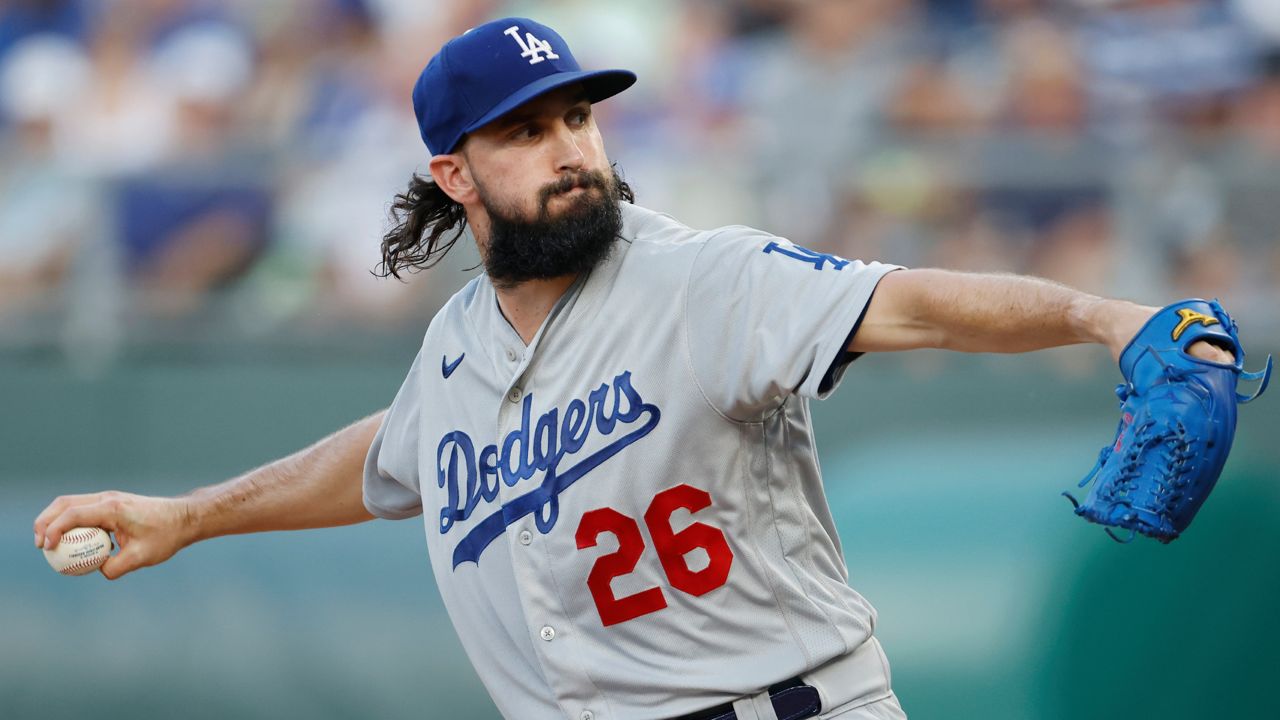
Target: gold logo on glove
[{"x": 1189, "y": 318}]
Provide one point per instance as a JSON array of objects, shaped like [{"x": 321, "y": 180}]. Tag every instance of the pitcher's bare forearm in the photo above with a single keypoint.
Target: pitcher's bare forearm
[
  {"x": 989, "y": 313},
  {"x": 319, "y": 486},
  {"x": 997, "y": 313}
]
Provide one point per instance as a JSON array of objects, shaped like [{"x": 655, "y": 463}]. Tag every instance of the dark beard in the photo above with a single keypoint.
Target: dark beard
[{"x": 574, "y": 242}]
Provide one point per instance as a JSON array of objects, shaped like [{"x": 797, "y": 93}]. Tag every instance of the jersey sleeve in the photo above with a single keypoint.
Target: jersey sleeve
[
  {"x": 391, "y": 488},
  {"x": 767, "y": 319}
]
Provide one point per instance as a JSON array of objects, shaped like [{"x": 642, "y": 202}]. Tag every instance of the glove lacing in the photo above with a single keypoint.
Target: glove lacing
[
  {"x": 1169, "y": 486},
  {"x": 1117, "y": 492}
]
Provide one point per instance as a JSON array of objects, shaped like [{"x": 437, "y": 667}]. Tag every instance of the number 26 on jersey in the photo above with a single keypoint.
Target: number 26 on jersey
[{"x": 670, "y": 546}]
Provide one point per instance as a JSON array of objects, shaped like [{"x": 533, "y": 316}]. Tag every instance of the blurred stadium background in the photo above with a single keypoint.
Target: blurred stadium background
[{"x": 191, "y": 199}]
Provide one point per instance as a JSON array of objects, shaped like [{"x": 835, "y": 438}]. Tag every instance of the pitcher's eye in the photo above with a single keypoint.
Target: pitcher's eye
[{"x": 524, "y": 132}]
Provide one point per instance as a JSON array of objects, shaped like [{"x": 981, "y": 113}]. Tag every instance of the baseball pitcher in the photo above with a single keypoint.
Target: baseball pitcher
[{"x": 607, "y": 435}]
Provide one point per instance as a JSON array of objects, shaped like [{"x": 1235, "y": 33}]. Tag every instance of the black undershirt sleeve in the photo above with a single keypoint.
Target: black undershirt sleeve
[{"x": 845, "y": 357}]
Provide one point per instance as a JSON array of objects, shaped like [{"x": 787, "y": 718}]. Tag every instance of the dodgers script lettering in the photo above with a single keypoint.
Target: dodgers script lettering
[{"x": 471, "y": 478}]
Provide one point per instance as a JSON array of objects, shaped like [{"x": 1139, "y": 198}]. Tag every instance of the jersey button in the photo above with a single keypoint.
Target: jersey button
[
  {"x": 526, "y": 537},
  {"x": 514, "y": 395},
  {"x": 548, "y": 633},
  {"x": 511, "y": 355},
  {"x": 587, "y": 715}
]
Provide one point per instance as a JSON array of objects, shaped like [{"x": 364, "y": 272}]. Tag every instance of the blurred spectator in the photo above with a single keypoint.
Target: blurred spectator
[
  {"x": 46, "y": 208},
  {"x": 1247, "y": 169},
  {"x": 329, "y": 227},
  {"x": 814, "y": 105},
  {"x": 1209, "y": 209},
  {"x": 681, "y": 141},
  {"x": 1262, "y": 17},
  {"x": 906, "y": 198},
  {"x": 757, "y": 17},
  {"x": 1044, "y": 170},
  {"x": 358, "y": 146},
  {"x": 1150, "y": 58},
  {"x": 23, "y": 18},
  {"x": 952, "y": 14},
  {"x": 124, "y": 123},
  {"x": 1258, "y": 113},
  {"x": 194, "y": 221},
  {"x": 342, "y": 73}
]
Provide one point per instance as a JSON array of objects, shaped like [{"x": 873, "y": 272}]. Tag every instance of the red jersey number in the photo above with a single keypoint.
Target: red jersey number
[
  {"x": 672, "y": 548},
  {"x": 614, "y": 610}
]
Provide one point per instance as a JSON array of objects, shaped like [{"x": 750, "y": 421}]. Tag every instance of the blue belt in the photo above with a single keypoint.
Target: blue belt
[{"x": 792, "y": 700}]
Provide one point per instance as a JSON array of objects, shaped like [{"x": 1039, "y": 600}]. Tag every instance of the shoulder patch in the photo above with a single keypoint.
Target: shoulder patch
[{"x": 817, "y": 259}]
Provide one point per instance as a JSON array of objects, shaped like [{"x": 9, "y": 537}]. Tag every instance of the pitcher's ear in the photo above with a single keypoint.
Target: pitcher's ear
[{"x": 453, "y": 175}]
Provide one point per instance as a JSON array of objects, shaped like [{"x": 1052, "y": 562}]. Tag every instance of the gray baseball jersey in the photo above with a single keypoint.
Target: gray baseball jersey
[{"x": 626, "y": 517}]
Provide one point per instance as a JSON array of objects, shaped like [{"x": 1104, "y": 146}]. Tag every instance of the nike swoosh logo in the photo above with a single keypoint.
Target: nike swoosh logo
[{"x": 446, "y": 367}]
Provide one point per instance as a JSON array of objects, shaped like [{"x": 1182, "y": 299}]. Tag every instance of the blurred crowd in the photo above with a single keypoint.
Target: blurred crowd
[{"x": 232, "y": 161}]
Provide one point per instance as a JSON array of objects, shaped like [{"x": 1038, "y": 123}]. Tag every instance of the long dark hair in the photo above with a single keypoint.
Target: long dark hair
[{"x": 423, "y": 216}]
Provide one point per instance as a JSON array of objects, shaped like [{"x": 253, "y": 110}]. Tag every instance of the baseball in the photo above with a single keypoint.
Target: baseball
[{"x": 81, "y": 551}]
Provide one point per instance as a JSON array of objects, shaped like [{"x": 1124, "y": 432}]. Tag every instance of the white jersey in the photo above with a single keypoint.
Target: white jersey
[{"x": 626, "y": 518}]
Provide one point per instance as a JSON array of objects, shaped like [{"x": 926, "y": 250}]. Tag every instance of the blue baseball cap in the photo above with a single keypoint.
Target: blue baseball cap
[{"x": 490, "y": 70}]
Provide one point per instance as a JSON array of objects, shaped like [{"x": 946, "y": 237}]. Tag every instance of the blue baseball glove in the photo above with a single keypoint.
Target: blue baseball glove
[{"x": 1178, "y": 417}]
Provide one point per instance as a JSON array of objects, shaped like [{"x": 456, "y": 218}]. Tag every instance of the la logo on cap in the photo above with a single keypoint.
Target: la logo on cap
[
  {"x": 478, "y": 76},
  {"x": 531, "y": 47}
]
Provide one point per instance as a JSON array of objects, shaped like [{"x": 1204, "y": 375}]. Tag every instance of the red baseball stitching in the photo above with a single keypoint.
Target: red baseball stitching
[
  {"x": 81, "y": 536},
  {"x": 81, "y": 565}
]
